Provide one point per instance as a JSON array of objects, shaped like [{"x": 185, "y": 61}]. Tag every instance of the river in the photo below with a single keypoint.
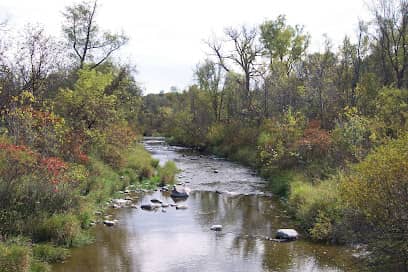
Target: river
[{"x": 223, "y": 193}]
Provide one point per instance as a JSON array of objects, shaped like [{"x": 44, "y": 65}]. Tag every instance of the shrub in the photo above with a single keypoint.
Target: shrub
[
  {"x": 377, "y": 191},
  {"x": 60, "y": 229},
  {"x": 168, "y": 173},
  {"x": 49, "y": 253},
  {"x": 318, "y": 208},
  {"x": 14, "y": 258}
]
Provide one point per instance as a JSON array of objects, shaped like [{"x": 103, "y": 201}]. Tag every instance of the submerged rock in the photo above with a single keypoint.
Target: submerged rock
[
  {"x": 216, "y": 227},
  {"x": 154, "y": 200}
]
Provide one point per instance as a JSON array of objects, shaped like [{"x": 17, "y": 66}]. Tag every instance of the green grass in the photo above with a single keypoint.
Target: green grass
[{"x": 49, "y": 253}]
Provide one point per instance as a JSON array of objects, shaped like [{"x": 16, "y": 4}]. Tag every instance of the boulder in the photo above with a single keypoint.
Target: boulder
[
  {"x": 154, "y": 200},
  {"x": 180, "y": 191},
  {"x": 216, "y": 227},
  {"x": 287, "y": 234}
]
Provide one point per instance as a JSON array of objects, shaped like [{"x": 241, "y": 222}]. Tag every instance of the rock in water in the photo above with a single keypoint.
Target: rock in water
[
  {"x": 154, "y": 200},
  {"x": 150, "y": 207},
  {"x": 181, "y": 207},
  {"x": 287, "y": 234},
  {"x": 109, "y": 223},
  {"x": 216, "y": 227}
]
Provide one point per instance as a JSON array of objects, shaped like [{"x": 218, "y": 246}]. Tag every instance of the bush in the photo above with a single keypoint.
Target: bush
[
  {"x": 60, "y": 229},
  {"x": 168, "y": 173},
  {"x": 14, "y": 258},
  {"x": 37, "y": 266},
  {"x": 377, "y": 191},
  {"x": 49, "y": 253},
  {"x": 318, "y": 208}
]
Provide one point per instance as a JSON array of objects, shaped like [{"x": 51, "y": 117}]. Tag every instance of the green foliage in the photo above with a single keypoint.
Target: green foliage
[
  {"x": 167, "y": 173},
  {"x": 61, "y": 229},
  {"x": 14, "y": 258},
  {"x": 351, "y": 137},
  {"x": 38, "y": 266},
  {"x": 376, "y": 190},
  {"x": 318, "y": 207},
  {"x": 87, "y": 108},
  {"x": 392, "y": 111},
  {"x": 49, "y": 253},
  {"x": 276, "y": 143}
]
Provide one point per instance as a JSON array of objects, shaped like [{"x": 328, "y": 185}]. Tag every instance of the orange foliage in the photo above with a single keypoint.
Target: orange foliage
[{"x": 315, "y": 139}]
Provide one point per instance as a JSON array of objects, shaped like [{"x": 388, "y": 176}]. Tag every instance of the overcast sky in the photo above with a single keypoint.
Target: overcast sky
[{"x": 166, "y": 36}]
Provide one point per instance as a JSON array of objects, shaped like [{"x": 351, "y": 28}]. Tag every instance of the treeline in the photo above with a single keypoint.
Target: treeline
[
  {"x": 328, "y": 129},
  {"x": 68, "y": 136}
]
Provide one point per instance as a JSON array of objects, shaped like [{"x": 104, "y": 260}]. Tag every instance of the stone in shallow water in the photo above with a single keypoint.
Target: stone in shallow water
[
  {"x": 216, "y": 227},
  {"x": 109, "y": 223},
  {"x": 288, "y": 234},
  {"x": 181, "y": 207},
  {"x": 154, "y": 200}
]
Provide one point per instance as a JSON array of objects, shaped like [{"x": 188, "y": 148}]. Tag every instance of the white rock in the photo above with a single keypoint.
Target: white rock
[
  {"x": 181, "y": 207},
  {"x": 109, "y": 223},
  {"x": 288, "y": 234},
  {"x": 216, "y": 227}
]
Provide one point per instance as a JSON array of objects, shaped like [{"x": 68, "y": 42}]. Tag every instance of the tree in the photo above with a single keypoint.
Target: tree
[
  {"x": 85, "y": 37},
  {"x": 37, "y": 58},
  {"x": 283, "y": 43},
  {"x": 391, "y": 21},
  {"x": 209, "y": 78},
  {"x": 244, "y": 54}
]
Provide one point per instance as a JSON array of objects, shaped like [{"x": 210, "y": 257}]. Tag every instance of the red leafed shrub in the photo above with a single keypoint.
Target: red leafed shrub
[
  {"x": 32, "y": 185},
  {"x": 315, "y": 142},
  {"x": 54, "y": 167}
]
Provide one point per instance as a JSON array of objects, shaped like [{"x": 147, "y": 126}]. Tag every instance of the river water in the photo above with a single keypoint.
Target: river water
[{"x": 181, "y": 240}]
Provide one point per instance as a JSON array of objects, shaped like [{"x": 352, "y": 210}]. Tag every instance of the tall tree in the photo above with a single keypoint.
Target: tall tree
[
  {"x": 244, "y": 54},
  {"x": 88, "y": 42},
  {"x": 209, "y": 77},
  {"x": 283, "y": 43},
  {"x": 391, "y": 21}
]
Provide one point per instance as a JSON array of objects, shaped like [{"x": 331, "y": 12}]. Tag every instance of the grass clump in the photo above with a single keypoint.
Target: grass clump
[{"x": 49, "y": 253}]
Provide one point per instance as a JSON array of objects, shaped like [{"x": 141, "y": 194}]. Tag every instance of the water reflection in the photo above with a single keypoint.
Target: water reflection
[{"x": 181, "y": 240}]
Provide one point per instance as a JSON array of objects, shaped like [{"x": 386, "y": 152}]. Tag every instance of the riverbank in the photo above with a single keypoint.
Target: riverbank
[{"x": 51, "y": 239}]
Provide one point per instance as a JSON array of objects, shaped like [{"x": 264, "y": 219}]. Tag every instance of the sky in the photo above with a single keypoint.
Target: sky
[{"x": 167, "y": 36}]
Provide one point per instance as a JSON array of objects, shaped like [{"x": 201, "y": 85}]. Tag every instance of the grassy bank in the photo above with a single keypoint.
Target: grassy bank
[{"x": 49, "y": 238}]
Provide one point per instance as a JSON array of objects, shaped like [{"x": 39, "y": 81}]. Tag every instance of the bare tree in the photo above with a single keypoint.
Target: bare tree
[
  {"x": 37, "y": 58},
  {"x": 85, "y": 37},
  {"x": 244, "y": 54}
]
